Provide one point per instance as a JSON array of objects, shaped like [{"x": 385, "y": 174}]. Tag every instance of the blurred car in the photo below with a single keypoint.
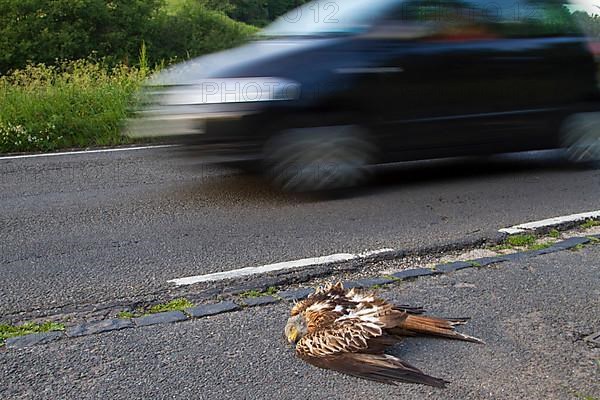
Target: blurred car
[{"x": 332, "y": 88}]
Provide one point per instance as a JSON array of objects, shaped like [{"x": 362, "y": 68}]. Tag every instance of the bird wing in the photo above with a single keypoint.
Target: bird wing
[
  {"x": 375, "y": 367},
  {"x": 354, "y": 345}
]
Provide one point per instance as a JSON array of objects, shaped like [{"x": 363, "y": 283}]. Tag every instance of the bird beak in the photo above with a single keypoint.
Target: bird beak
[{"x": 292, "y": 336}]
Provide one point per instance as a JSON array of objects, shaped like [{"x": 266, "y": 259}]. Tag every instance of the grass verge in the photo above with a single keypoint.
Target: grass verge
[{"x": 75, "y": 104}]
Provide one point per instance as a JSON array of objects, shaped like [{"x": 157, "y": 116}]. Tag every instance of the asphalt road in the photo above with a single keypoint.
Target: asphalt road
[
  {"x": 83, "y": 229},
  {"x": 532, "y": 314}
]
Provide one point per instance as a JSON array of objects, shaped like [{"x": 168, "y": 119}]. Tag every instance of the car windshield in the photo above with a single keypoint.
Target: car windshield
[{"x": 329, "y": 17}]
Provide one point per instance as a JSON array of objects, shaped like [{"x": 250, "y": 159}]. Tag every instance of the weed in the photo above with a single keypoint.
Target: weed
[
  {"x": 126, "y": 315},
  {"x": 271, "y": 291},
  {"x": 391, "y": 278},
  {"x": 520, "y": 240},
  {"x": 173, "y": 305},
  {"x": 590, "y": 223},
  {"x": 578, "y": 247},
  {"x": 539, "y": 246},
  {"x": 474, "y": 264},
  {"x": 585, "y": 397},
  {"x": 10, "y": 331},
  {"x": 554, "y": 233}
]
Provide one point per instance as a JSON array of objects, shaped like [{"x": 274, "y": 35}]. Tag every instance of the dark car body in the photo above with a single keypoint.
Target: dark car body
[{"x": 423, "y": 79}]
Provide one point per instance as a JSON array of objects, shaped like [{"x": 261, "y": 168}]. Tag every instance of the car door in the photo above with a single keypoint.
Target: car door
[{"x": 461, "y": 84}]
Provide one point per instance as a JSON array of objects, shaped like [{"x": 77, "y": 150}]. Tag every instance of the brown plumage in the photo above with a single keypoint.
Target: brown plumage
[{"x": 349, "y": 331}]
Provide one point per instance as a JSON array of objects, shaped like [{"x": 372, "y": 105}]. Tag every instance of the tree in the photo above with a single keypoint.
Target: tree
[{"x": 41, "y": 31}]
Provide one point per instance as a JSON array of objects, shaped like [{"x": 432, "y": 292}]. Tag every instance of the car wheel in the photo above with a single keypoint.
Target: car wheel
[
  {"x": 581, "y": 138},
  {"x": 319, "y": 158}
]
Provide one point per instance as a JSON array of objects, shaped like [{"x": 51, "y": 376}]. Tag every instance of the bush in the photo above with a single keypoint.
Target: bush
[
  {"x": 262, "y": 12},
  {"x": 48, "y": 31},
  {"x": 75, "y": 104},
  {"x": 192, "y": 30},
  {"x": 42, "y": 31}
]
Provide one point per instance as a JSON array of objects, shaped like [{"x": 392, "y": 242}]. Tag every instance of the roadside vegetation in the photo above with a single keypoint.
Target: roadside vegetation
[
  {"x": 10, "y": 331},
  {"x": 69, "y": 69},
  {"x": 73, "y": 104},
  {"x": 590, "y": 223},
  {"x": 180, "y": 304},
  {"x": 271, "y": 291}
]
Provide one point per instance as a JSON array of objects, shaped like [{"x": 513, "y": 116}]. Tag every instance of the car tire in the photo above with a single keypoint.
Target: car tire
[
  {"x": 580, "y": 136},
  {"x": 322, "y": 158}
]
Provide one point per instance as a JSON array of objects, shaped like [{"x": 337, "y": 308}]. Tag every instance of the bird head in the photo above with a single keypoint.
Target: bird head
[{"x": 295, "y": 329}]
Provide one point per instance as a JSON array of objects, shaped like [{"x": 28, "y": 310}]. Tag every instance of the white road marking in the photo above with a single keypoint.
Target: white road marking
[
  {"x": 306, "y": 262},
  {"x": 550, "y": 222},
  {"x": 70, "y": 153}
]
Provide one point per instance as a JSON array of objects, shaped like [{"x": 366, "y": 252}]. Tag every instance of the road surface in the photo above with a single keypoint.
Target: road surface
[
  {"x": 91, "y": 228},
  {"x": 533, "y": 315}
]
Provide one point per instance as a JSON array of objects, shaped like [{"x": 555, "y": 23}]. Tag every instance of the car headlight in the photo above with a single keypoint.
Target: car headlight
[{"x": 232, "y": 90}]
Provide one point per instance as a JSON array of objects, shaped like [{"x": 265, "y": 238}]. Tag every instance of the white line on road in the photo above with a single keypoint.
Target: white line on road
[
  {"x": 70, "y": 153},
  {"x": 306, "y": 262},
  {"x": 550, "y": 222}
]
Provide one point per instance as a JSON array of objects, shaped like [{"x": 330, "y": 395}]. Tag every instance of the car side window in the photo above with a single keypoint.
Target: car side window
[
  {"x": 447, "y": 19},
  {"x": 536, "y": 18},
  {"x": 473, "y": 19}
]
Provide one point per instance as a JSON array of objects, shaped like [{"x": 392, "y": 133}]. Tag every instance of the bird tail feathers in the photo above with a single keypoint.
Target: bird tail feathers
[{"x": 419, "y": 324}]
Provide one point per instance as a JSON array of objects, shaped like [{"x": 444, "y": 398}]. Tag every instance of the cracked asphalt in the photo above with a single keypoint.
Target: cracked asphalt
[
  {"x": 85, "y": 229},
  {"x": 532, "y": 313}
]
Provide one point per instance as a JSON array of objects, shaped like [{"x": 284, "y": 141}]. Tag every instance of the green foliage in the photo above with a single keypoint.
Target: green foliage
[
  {"x": 126, "y": 315},
  {"x": 590, "y": 223},
  {"x": 75, "y": 104},
  {"x": 578, "y": 247},
  {"x": 48, "y": 31},
  {"x": 173, "y": 305},
  {"x": 43, "y": 31},
  {"x": 180, "y": 304},
  {"x": 10, "y": 331},
  {"x": 520, "y": 240},
  {"x": 193, "y": 30},
  {"x": 271, "y": 291},
  {"x": 554, "y": 233},
  {"x": 260, "y": 13},
  {"x": 539, "y": 246}
]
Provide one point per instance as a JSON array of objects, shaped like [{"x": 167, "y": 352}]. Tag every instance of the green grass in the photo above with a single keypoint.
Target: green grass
[
  {"x": 585, "y": 397},
  {"x": 180, "y": 304},
  {"x": 520, "y": 240},
  {"x": 77, "y": 104},
  {"x": 554, "y": 233},
  {"x": 126, "y": 315},
  {"x": 10, "y": 331},
  {"x": 474, "y": 264},
  {"x": 539, "y": 246},
  {"x": 578, "y": 247},
  {"x": 173, "y": 305},
  {"x": 590, "y": 223},
  {"x": 271, "y": 291}
]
